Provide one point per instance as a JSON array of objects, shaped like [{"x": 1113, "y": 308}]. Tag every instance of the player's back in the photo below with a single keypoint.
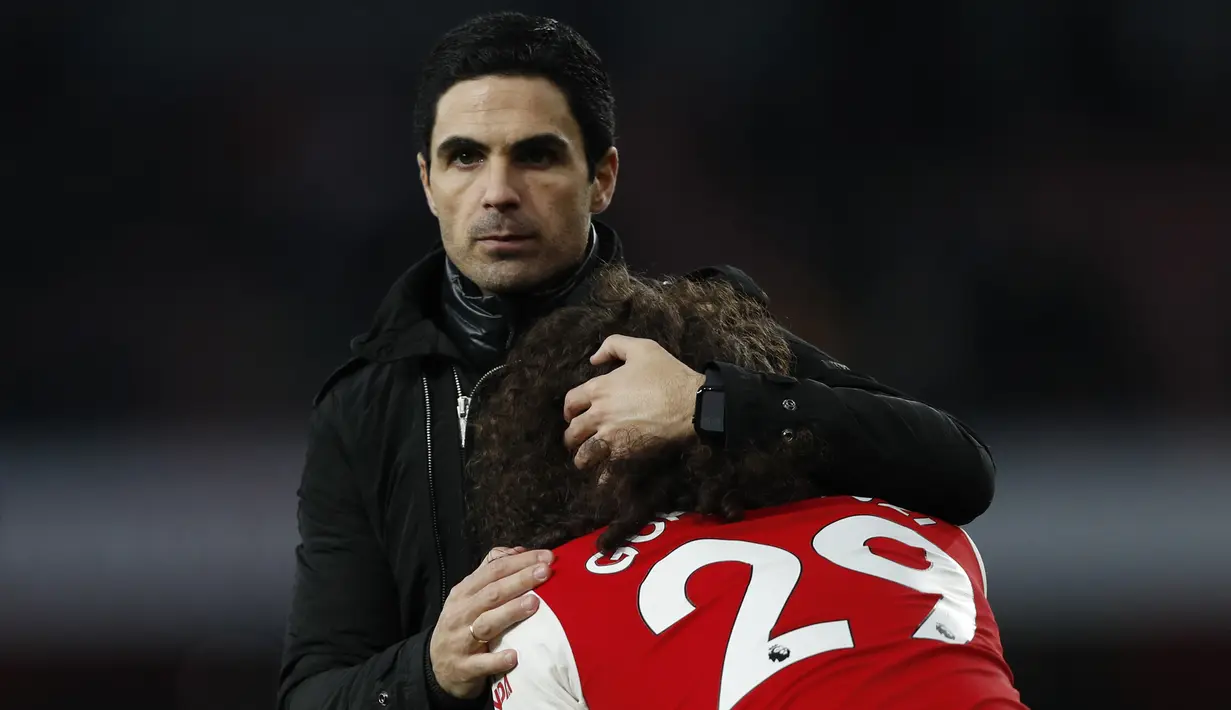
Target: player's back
[{"x": 835, "y": 602}]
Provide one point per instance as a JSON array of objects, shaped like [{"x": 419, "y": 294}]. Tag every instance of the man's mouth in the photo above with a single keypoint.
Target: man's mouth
[{"x": 505, "y": 237}]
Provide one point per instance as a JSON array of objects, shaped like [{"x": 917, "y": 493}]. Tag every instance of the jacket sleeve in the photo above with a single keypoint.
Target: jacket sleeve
[
  {"x": 878, "y": 442},
  {"x": 342, "y": 647}
]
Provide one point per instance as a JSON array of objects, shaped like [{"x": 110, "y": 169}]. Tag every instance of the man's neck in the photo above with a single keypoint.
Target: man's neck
[{"x": 483, "y": 325}]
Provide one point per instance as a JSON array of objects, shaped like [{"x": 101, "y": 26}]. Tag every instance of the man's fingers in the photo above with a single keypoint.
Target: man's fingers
[
  {"x": 482, "y": 665},
  {"x": 593, "y": 452},
  {"x": 579, "y": 430},
  {"x": 504, "y": 589},
  {"x": 500, "y": 568},
  {"x": 498, "y": 552},
  {"x": 494, "y": 622},
  {"x": 614, "y": 347},
  {"x": 577, "y": 400}
]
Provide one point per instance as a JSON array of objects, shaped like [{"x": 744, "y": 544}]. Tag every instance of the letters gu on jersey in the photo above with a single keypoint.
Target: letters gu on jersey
[{"x": 836, "y": 602}]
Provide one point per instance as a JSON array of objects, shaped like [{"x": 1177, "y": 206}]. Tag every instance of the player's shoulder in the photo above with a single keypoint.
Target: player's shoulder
[
  {"x": 546, "y": 676},
  {"x": 807, "y": 518},
  {"x": 824, "y": 508}
]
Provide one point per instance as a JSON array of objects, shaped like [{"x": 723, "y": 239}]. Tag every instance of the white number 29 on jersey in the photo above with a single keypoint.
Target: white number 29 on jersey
[{"x": 752, "y": 656}]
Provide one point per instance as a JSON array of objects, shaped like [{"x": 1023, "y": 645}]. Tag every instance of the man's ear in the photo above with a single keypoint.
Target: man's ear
[
  {"x": 425, "y": 179},
  {"x": 605, "y": 173}
]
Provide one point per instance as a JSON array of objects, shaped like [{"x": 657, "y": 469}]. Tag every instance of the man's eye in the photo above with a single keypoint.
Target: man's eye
[
  {"x": 537, "y": 157},
  {"x": 467, "y": 157}
]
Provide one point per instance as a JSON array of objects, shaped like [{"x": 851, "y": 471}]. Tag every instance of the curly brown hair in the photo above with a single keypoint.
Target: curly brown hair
[{"x": 525, "y": 489}]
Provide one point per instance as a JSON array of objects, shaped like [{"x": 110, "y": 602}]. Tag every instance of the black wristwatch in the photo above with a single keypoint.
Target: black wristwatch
[{"x": 710, "y": 412}]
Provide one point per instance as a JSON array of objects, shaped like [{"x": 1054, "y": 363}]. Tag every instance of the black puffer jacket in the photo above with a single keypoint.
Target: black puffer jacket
[{"x": 381, "y": 500}]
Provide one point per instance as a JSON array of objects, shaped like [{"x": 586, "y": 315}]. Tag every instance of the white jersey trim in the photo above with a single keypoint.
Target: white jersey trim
[
  {"x": 979, "y": 557},
  {"x": 546, "y": 675}
]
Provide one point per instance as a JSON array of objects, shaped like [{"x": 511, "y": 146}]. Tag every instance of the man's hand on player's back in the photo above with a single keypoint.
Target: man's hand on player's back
[{"x": 480, "y": 608}]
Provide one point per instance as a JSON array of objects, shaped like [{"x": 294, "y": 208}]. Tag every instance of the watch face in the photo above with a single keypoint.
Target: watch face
[{"x": 713, "y": 406}]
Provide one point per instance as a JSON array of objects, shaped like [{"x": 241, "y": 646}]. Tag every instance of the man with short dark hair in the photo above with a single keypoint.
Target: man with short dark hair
[{"x": 516, "y": 118}]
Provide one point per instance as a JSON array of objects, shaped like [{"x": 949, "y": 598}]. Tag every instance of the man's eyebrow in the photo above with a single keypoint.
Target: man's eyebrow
[
  {"x": 549, "y": 141},
  {"x": 453, "y": 144}
]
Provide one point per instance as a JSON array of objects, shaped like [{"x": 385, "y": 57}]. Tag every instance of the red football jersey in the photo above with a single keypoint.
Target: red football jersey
[{"x": 836, "y": 602}]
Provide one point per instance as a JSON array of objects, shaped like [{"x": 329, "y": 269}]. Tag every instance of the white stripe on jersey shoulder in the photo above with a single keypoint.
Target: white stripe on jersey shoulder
[
  {"x": 546, "y": 675},
  {"x": 979, "y": 557}
]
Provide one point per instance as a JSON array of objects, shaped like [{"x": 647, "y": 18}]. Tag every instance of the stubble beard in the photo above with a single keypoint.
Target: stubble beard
[{"x": 522, "y": 274}]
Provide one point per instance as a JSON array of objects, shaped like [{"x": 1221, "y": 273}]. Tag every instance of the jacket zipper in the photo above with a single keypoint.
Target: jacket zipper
[
  {"x": 463, "y": 402},
  {"x": 431, "y": 492},
  {"x": 463, "y": 411}
]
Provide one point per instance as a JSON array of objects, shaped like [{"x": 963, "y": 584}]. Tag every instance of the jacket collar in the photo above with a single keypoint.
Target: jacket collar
[
  {"x": 483, "y": 327},
  {"x": 404, "y": 325}
]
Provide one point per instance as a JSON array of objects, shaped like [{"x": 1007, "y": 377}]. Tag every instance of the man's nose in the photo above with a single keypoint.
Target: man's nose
[{"x": 500, "y": 192}]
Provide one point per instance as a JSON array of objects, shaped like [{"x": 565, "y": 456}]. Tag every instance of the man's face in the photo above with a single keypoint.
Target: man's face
[{"x": 509, "y": 183}]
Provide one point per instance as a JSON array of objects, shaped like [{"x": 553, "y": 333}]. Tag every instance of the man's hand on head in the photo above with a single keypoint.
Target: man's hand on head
[{"x": 650, "y": 396}]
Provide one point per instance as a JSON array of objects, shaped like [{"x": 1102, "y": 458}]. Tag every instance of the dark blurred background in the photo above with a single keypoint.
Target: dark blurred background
[{"x": 1017, "y": 210}]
